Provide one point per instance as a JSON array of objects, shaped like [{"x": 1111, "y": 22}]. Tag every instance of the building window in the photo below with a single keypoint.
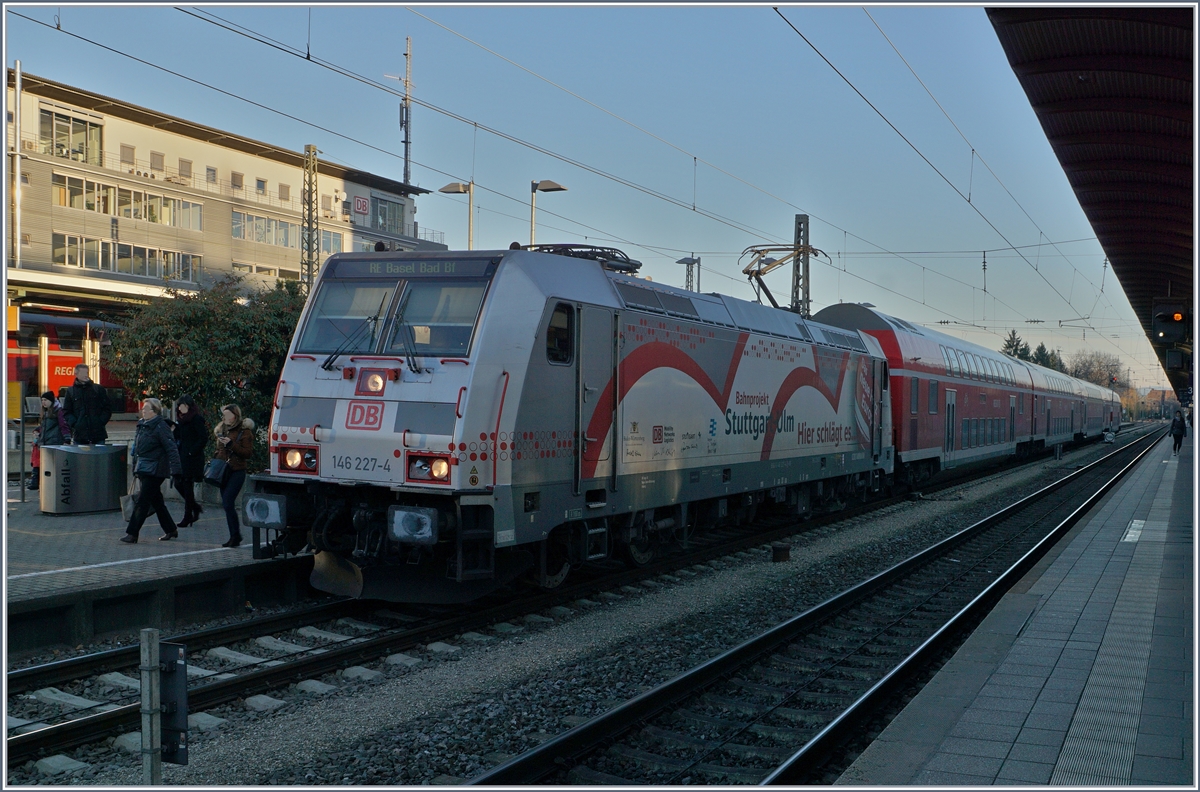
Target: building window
[
  {"x": 933, "y": 397},
  {"x": 271, "y": 271},
  {"x": 387, "y": 215},
  {"x": 185, "y": 169},
  {"x": 327, "y": 203},
  {"x": 157, "y": 161},
  {"x": 105, "y": 255},
  {"x": 260, "y": 186},
  {"x": 289, "y": 274},
  {"x": 127, "y": 153},
  {"x": 235, "y": 181},
  {"x": 331, "y": 242},
  {"x": 265, "y": 230},
  {"x": 242, "y": 267},
  {"x": 285, "y": 192},
  {"x": 210, "y": 175},
  {"x": 73, "y": 138}
]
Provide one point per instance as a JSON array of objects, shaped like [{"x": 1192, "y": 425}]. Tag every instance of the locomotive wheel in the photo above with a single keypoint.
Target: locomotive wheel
[{"x": 640, "y": 552}]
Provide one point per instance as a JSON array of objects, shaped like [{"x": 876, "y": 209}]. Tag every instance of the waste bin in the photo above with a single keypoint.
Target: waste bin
[{"x": 78, "y": 479}]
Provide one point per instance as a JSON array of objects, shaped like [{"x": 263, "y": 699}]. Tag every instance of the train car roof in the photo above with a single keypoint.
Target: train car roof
[{"x": 867, "y": 317}]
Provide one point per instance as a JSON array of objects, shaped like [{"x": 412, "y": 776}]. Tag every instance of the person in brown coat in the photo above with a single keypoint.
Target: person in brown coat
[{"x": 235, "y": 444}]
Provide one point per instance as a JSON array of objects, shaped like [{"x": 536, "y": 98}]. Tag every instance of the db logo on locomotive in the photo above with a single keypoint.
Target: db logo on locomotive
[{"x": 364, "y": 415}]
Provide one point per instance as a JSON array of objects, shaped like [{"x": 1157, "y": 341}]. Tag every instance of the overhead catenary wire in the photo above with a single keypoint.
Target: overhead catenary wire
[
  {"x": 927, "y": 161},
  {"x": 376, "y": 148}
]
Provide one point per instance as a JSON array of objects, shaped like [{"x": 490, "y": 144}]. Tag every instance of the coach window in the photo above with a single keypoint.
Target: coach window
[
  {"x": 916, "y": 393},
  {"x": 933, "y": 397},
  {"x": 560, "y": 335}
]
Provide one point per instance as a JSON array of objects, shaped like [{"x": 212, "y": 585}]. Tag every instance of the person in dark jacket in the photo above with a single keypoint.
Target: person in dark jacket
[
  {"x": 1178, "y": 431},
  {"x": 53, "y": 430},
  {"x": 86, "y": 408},
  {"x": 155, "y": 457},
  {"x": 235, "y": 444},
  {"x": 191, "y": 435}
]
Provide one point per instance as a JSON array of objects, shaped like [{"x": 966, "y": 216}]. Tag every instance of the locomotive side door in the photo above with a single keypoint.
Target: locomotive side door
[
  {"x": 948, "y": 442},
  {"x": 594, "y": 374}
]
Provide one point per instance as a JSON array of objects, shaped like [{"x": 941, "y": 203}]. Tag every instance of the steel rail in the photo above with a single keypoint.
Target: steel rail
[
  {"x": 72, "y": 668},
  {"x": 794, "y": 770},
  {"x": 556, "y": 754}
]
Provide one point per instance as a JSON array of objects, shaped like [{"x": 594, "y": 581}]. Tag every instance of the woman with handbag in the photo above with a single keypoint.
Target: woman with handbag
[
  {"x": 154, "y": 458},
  {"x": 191, "y": 434},
  {"x": 235, "y": 444}
]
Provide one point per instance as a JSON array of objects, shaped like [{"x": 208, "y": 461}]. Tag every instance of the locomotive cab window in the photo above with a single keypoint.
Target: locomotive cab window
[
  {"x": 560, "y": 335},
  {"x": 346, "y": 316},
  {"x": 437, "y": 317}
]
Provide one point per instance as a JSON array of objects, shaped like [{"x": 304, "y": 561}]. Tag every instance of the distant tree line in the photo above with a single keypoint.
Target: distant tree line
[{"x": 1102, "y": 368}]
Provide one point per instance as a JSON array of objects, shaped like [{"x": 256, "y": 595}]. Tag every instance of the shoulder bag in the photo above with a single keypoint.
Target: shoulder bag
[{"x": 216, "y": 472}]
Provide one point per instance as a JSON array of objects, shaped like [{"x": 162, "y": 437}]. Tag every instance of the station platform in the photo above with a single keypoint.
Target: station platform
[
  {"x": 1083, "y": 674},
  {"x": 68, "y": 578}
]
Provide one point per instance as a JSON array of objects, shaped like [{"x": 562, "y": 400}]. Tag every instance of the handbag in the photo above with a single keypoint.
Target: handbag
[
  {"x": 145, "y": 467},
  {"x": 216, "y": 472},
  {"x": 130, "y": 500}
]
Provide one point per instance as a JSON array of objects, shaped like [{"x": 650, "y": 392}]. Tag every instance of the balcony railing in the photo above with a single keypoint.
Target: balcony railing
[{"x": 34, "y": 144}]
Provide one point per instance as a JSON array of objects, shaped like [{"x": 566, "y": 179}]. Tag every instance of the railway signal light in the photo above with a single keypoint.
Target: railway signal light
[{"x": 1172, "y": 323}]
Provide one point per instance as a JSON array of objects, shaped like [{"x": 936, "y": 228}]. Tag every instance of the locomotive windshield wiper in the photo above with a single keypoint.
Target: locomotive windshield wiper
[
  {"x": 371, "y": 321},
  {"x": 404, "y": 329}
]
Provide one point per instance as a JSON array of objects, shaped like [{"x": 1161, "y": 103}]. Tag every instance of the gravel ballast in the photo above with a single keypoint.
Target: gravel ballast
[{"x": 455, "y": 714}]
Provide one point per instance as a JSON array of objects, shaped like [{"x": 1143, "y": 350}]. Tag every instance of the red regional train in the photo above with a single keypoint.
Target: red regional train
[
  {"x": 45, "y": 349},
  {"x": 956, "y": 403}
]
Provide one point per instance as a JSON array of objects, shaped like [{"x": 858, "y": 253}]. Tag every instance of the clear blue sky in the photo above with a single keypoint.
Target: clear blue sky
[{"x": 739, "y": 114}]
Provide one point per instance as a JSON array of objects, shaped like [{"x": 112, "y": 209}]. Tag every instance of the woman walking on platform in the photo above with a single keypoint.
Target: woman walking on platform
[
  {"x": 191, "y": 434},
  {"x": 1178, "y": 431},
  {"x": 154, "y": 458},
  {"x": 235, "y": 444}
]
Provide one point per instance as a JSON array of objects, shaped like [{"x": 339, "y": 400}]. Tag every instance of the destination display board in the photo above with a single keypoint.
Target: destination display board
[{"x": 409, "y": 268}]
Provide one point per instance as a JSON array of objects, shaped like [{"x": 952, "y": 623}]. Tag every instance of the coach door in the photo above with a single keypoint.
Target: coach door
[
  {"x": 948, "y": 442},
  {"x": 596, "y": 334},
  {"x": 1048, "y": 432},
  {"x": 1012, "y": 418}
]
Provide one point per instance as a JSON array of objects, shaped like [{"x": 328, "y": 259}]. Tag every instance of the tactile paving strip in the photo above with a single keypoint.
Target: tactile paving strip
[{"x": 1099, "y": 746}]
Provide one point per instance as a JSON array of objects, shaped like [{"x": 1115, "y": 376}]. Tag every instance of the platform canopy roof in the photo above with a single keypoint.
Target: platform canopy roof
[{"x": 1112, "y": 88}]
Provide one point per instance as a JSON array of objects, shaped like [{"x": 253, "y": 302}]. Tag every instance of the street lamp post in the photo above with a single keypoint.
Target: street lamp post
[
  {"x": 691, "y": 261},
  {"x": 469, "y": 189},
  {"x": 545, "y": 185}
]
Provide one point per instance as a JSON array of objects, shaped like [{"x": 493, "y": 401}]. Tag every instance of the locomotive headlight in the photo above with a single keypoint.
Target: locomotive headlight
[
  {"x": 440, "y": 469},
  {"x": 310, "y": 459},
  {"x": 374, "y": 382},
  {"x": 412, "y": 525},
  {"x": 293, "y": 458},
  {"x": 419, "y": 468}
]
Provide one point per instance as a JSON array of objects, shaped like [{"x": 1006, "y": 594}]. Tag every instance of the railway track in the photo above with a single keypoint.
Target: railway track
[
  {"x": 774, "y": 709},
  {"x": 288, "y": 648}
]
